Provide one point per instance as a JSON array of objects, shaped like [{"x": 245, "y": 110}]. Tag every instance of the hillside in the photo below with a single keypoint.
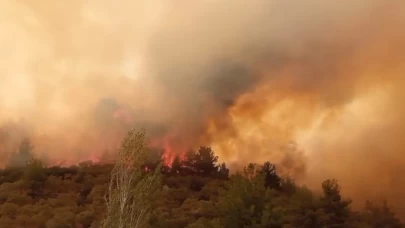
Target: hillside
[{"x": 195, "y": 192}]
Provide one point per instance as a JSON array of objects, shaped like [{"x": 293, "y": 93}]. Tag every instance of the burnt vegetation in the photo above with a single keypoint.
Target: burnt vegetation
[{"x": 196, "y": 191}]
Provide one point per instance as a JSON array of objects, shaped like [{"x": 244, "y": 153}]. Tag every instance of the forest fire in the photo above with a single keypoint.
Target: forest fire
[
  {"x": 171, "y": 147},
  {"x": 255, "y": 82},
  {"x": 168, "y": 151}
]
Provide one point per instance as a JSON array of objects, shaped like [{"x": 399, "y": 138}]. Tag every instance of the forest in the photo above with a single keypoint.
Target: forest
[{"x": 193, "y": 192}]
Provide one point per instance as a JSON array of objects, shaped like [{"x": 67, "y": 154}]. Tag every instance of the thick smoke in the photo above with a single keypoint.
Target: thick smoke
[{"x": 315, "y": 86}]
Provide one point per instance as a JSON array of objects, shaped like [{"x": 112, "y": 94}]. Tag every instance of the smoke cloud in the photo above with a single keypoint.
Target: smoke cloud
[{"x": 314, "y": 86}]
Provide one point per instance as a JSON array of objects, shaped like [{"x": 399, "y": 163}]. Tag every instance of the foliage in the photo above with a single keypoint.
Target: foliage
[
  {"x": 195, "y": 192},
  {"x": 201, "y": 162},
  {"x": 130, "y": 190},
  {"x": 378, "y": 216},
  {"x": 334, "y": 206},
  {"x": 34, "y": 177},
  {"x": 271, "y": 179}
]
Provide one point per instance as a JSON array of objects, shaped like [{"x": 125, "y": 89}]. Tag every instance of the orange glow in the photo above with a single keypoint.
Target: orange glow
[{"x": 171, "y": 147}]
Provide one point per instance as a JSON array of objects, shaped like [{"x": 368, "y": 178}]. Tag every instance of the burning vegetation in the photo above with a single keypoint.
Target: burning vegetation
[
  {"x": 196, "y": 191},
  {"x": 313, "y": 87}
]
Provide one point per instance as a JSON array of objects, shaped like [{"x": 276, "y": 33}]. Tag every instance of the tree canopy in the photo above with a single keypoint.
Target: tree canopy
[{"x": 194, "y": 192}]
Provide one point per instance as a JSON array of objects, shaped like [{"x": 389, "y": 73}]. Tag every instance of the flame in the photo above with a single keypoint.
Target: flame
[{"x": 171, "y": 148}]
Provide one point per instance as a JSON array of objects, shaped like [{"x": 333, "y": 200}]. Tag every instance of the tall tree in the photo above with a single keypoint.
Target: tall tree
[
  {"x": 130, "y": 190},
  {"x": 242, "y": 202},
  {"x": 203, "y": 161},
  {"x": 206, "y": 161},
  {"x": 271, "y": 178},
  {"x": 24, "y": 154},
  {"x": 223, "y": 171},
  {"x": 379, "y": 216},
  {"x": 336, "y": 208},
  {"x": 176, "y": 165},
  {"x": 34, "y": 177}
]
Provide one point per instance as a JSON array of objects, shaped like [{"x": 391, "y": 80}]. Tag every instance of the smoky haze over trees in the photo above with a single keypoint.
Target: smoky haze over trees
[
  {"x": 244, "y": 78},
  {"x": 23, "y": 155},
  {"x": 194, "y": 191}
]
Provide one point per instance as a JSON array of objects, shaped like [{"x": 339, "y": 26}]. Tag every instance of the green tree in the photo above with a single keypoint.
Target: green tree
[
  {"x": 305, "y": 209},
  {"x": 223, "y": 171},
  {"x": 336, "y": 208},
  {"x": 130, "y": 190},
  {"x": 242, "y": 203},
  {"x": 203, "y": 162},
  {"x": 375, "y": 216},
  {"x": 271, "y": 178},
  {"x": 34, "y": 177}
]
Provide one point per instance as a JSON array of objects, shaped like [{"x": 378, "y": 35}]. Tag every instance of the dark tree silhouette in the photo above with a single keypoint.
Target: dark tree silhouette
[
  {"x": 24, "y": 154},
  {"x": 271, "y": 178},
  {"x": 202, "y": 162},
  {"x": 336, "y": 208},
  {"x": 34, "y": 177},
  {"x": 380, "y": 216},
  {"x": 176, "y": 166},
  {"x": 223, "y": 171}
]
